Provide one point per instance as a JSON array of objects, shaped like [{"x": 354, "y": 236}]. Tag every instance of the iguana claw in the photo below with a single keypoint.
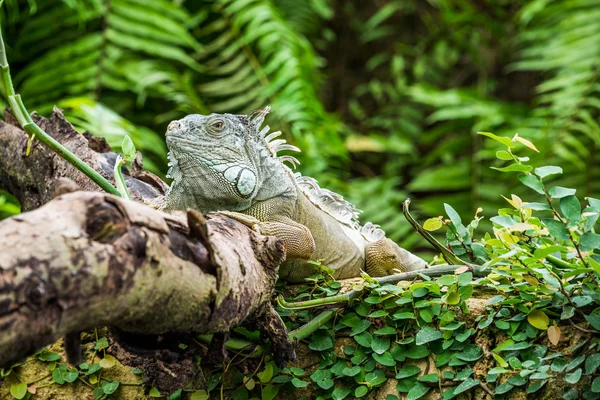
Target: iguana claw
[{"x": 248, "y": 220}]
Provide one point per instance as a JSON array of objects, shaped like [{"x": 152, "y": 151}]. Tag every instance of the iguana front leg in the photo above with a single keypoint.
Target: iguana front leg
[
  {"x": 383, "y": 257},
  {"x": 297, "y": 239}
]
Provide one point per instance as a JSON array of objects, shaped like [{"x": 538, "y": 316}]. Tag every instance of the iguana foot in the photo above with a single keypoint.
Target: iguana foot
[
  {"x": 384, "y": 257},
  {"x": 296, "y": 237}
]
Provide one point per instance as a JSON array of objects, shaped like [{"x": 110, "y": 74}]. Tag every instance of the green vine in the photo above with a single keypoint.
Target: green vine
[{"x": 24, "y": 119}]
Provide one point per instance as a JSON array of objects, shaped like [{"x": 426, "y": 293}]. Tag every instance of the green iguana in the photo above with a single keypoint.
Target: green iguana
[{"x": 227, "y": 163}]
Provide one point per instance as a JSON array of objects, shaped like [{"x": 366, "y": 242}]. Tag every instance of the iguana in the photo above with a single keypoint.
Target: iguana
[{"x": 227, "y": 163}]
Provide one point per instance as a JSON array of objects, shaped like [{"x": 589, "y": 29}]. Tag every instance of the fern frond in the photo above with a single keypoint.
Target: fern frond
[
  {"x": 561, "y": 39},
  {"x": 80, "y": 48}
]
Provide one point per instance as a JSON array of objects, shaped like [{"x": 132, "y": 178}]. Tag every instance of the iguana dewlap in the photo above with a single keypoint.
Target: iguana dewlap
[{"x": 225, "y": 162}]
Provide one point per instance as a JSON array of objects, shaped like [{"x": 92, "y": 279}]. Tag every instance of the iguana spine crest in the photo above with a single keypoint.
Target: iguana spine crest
[{"x": 324, "y": 199}]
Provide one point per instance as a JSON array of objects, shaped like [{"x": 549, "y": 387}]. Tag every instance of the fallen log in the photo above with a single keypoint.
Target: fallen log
[{"x": 89, "y": 259}]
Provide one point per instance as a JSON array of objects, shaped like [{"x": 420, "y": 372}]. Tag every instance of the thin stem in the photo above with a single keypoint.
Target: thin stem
[
  {"x": 448, "y": 255},
  {"x": 300, "y": 305},
  {"x": 437, "y": 270},
  {"x": 31, "y": 128}
]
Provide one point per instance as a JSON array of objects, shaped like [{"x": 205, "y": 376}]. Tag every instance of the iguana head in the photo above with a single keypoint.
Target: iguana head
[{"x": 218, "y": 162}]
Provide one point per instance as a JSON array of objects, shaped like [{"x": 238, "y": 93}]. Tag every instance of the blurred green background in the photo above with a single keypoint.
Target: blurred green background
[{"x": 384, "y": 97}]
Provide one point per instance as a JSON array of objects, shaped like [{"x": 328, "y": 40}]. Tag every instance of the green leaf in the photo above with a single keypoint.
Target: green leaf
[
  {"x": 267, "y": 374},
  {"x": 453, "y": 215},
  {"x": 556, "y": 228},
  {"x": 59, "y": 374},
  {"x": 385, "y": 359},
  {"x": 299, "y": 383},
  {"x": 532, "y": 182},
  {"x": 596, "y": 385},
  {"x": 538, "y": 319},
  {"x": 432, "y": 224},
  {"x": 543, "y": 252},
  {"x": 48, "y": 356},
  {"x": 415, "y": 352},
  {"x": 388, "y": 330},
  {"x": 375, "y": 378},
  {"x": 128, "y": 149},
  {"x": 429, "y": 378},
  {"x": 112, "y": 386},
  {"x": 558, "y": 192},
  {"x": 154, "y": 392},
  {"x": 269, "y": 392},
  {"x": 590, "y": 241},
  {"x": 536, "y": 206},
  {"x": 465, "y": 278},
  {"x": 364, "y": 339},
  {"x": 407, "y": 371},
  {"x": 466, "y": 385},
  {"x": 351, "y": 371},
  {"x": 504, "y": 155},
  {"x": 378, "y": 314},
  {"x": 594, "y": 319},
  {"x": 571, "y": 209},
  {"x": 515, "y": 346},
  {"x": 451, "y": 298},
  {"x": 321, "y": 341},
  {"x": 573, "y": 377},
  {"x": 360, "y": 391},
  {"x": 535, "y": 386},
  {"x": 503, "y": 388},
  {"x": 362, "y": 326},
  {"x": 418, "y": 390},
  {"x": 470, "y": 353},
  {"x": 592, "y": 363},
  {"x": 102, "y": 343},
  {"x": 340, "y": 393},
  {"x": 18, "y": 390},
  {"x": 71, "y": 375},
  {"x": 380, "y": 344},
  {"x": 543, "y": 172},
  {"x": 514, "y": 168},
  {"x": 504, "y": 140},
  {"x": 107, "y": 362},
  {"x": 428, "y": 334},
  {"x": 403, "y": 315}
]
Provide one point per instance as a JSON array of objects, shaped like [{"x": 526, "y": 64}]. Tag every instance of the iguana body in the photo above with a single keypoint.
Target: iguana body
[{"x": 225, "y": 162}]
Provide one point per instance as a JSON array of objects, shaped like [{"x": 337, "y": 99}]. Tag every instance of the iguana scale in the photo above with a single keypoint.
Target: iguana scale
[{"x": 226, "y": 162}]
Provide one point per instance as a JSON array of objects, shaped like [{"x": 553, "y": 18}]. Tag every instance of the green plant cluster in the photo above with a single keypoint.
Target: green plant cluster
[{"x": 544, "y": 284}]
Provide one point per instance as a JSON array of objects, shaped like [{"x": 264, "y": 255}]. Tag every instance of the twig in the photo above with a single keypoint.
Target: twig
[
  {"x": 449, "y": 256},
  {"x": 486, "y": 389}
]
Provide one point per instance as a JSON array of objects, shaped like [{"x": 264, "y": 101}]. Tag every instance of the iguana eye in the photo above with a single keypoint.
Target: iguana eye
[{"x": 218, "y": 125}]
